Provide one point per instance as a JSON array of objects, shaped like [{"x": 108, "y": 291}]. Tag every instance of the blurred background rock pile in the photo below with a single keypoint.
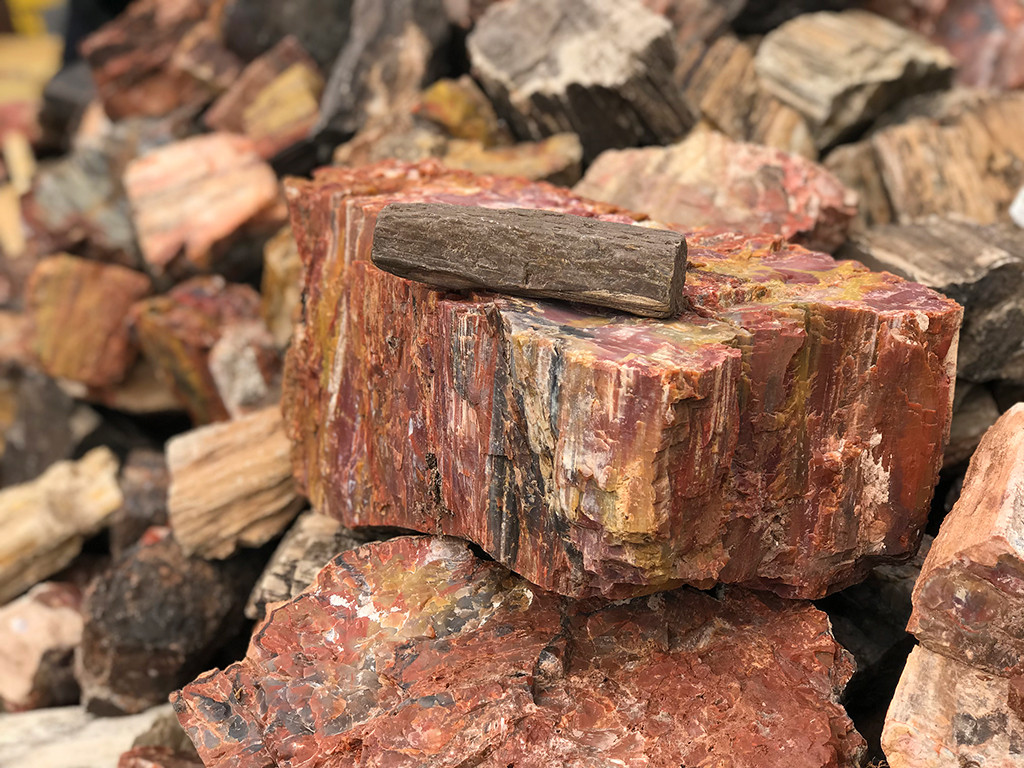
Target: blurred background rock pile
[{"x": 150, "y": 284}]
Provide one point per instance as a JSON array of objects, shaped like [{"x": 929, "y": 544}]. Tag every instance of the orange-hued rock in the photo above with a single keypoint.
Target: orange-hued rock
[
  {"x": 275, "y": 101},
  {"x": 80, "y": 316},
  {"x": 969, "y": 601},
  {"x": 193, "y": 198},
  {"x": 415, "y": 652},
  {"x": 946, "y": 714},
  {"x": 178, "y": 330},
  {"x": 709, "y": 180}
]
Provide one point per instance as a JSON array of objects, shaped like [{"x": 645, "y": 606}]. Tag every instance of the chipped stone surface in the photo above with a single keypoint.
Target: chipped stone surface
[
  {"x": 46, "y": 521},
  {"x": 607, "y": 454},
  {"x": 946, "y": 714},
  {"x": 38, "y": 635},
  {"x": 842, "y": 70},
  {"x": 79, "y": 311},
  {"x": 552, "y": 66},
  {"x": 969, "y": 601},
  {"x": 415, "y": 652},
  {"x": 708, "y": 180}
]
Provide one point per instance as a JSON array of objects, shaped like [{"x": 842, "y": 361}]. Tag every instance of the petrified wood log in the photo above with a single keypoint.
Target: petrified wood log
[
  {"x": 947, "y": 714},
  {"x": 38, "y": 635},
  {"x": 153, "y": 621},
  {"x": 964, "y": 160},
  {"x": 231, "y": 485},
  {"x": 416, "y": 652},
  {"x": 535, "y": 253},
  {"x": 553, "y": 66},
  {"x": 617, "y": 455},
  {"x": 708, "y": 180},
  {"x": 842, "y": 70},
  {"x": 275, "y": 101},
  {"x": 557, "y": 159},
  {"x": 80, "y": 316},
  {"x": 968, "y": 601},
  {"x": 46, "y": 521},
  {"x": 308, "y": 546},
  {"x": 192, "y": 198},
  {"x": 178, "y": 330},
  {"x": 980, "y": 267},
  {"x": 131, "y": 59},
  {"x": 985, "y": 36}
]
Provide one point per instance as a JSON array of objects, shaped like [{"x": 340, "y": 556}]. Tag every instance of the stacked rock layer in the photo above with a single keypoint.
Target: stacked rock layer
[{"x": 785, "y": 432}]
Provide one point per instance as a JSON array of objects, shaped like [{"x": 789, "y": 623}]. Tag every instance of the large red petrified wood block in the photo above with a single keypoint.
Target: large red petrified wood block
[
  {"x": 415, "y": 652},
  {"x": 784, "y": 432}
]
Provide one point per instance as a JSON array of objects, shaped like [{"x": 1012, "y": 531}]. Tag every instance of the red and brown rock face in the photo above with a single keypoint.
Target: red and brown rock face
[
  {"x": 969, "y": 601},
  {"x": 415, "y": 652},
  {"x": 79, "y": 312},
  {"x": 785, "y": 433},
  {"x": 709, "y": 180}
]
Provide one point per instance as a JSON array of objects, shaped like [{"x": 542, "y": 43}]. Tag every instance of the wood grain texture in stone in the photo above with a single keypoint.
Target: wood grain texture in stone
[
  {"x": 38, "y": 635},
  {"x": 709, "y": 180},
  {"x": 962, "y": 156},
  {"x": 80, "y": 316},
  {"x": 192, "y": 198},
  {"x": 946, "y": 714},
  {"x": 281, "y": 286},
  {"x": 415, "y": 652},
  {"x": 131, "y": 59},
  {"x": 982, "y": 268},
  {"x": 618, "y": 455},
  {"x": 968, "y": 601},
  {"x": 724, "y": 87},
  {"x": 275, "y": 100},
  {"x": 535, "y": 253},
  {"x": 46, "y": 521},
  {"x": 985, "y": 36},
  {"x": 312, "y": 542},
  {"x": 231, "y": 485},
  {"x": 178, "y": 329},
  {"x": 153, "y": 621},
  {"x": 565, "y": 66},
  {"x": 391, "y": 52},
  {"x": 842, "y": 70},
  {"x": 557, "y": 159}
]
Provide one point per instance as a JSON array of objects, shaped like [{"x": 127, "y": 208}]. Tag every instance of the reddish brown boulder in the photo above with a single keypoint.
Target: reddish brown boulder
[
  {"x": 80, "y": 315},
  {"x": 762, "y": 438},
  {"x": 131, "y": 59},
  {"x": 709, "y": 180},
  {"x": 415, "y": 652},
  {"x": 157, "y": 757},
  {"x": 178, "y": 330},
  {"x": 969, "y": 601}
]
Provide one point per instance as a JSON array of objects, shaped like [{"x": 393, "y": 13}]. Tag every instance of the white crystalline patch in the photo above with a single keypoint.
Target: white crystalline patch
[
  {"x": 336, "y": 600},
  {"x": 1017, "y": 209},
  {"x": 331, "y": 635}
]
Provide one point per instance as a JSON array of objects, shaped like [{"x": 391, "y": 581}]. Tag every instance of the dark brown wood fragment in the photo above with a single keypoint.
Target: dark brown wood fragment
[{"x": 534, "y": 253}]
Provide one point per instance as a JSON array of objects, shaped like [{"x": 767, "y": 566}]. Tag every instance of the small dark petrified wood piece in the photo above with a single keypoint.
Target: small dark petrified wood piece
[{"x": 534, "y": 253}]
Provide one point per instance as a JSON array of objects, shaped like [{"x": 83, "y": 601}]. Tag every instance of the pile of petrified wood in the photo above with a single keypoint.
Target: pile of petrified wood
[{"x": 605, "y": 337}]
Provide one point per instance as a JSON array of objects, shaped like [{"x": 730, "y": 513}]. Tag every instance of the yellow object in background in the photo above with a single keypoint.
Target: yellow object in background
[
  {"x": 26, "y": 65},
  {"x": 27, "y": 15}
]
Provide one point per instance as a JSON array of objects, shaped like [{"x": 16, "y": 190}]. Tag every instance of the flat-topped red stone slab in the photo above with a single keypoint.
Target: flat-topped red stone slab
[
  {"x": 416, "y": 652},
  {"x": 785, "y": 432}
]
